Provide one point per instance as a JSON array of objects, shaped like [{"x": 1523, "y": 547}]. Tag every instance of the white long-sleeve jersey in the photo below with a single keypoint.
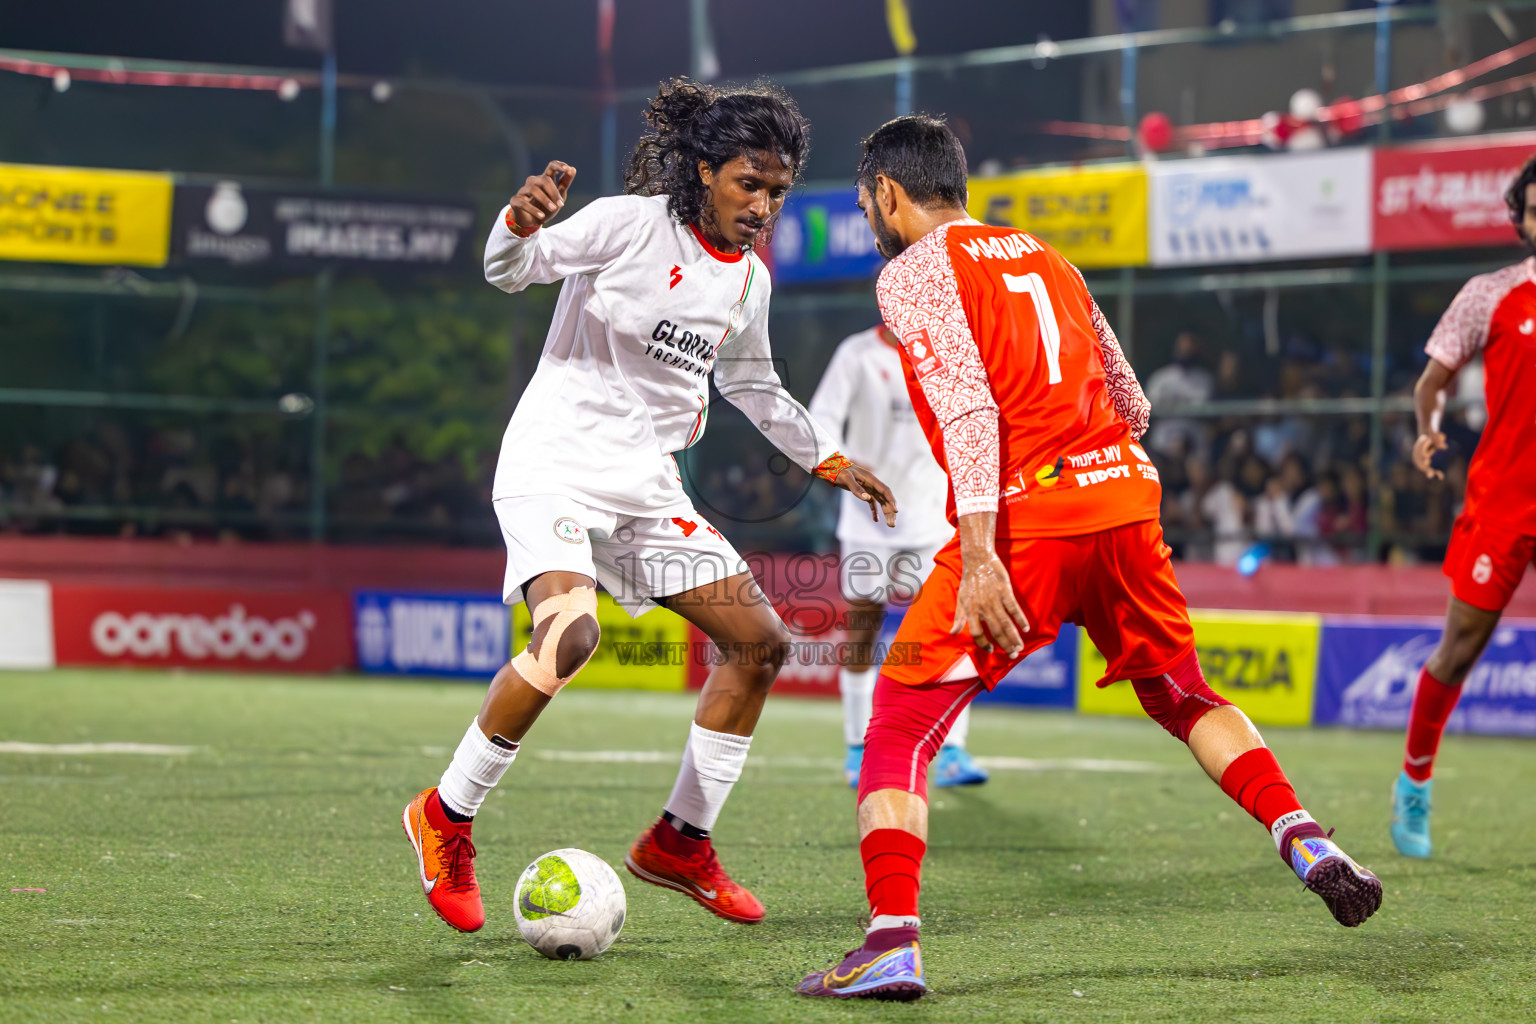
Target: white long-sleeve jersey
[
  {"x": 863, "y": 400},
  {"x": 647, "y": 312}
]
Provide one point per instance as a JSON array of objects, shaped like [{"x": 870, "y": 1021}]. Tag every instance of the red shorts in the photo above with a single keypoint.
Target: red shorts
[
  {"x": 1117, "y": 584},
  {"x": 1485, "y": 562}
]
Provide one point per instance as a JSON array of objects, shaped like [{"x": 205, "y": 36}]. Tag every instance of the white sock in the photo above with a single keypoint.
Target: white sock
[
  {"x": 1286, "y": 822},
  {"x": 476, "y": 767},
  {"x": 882, "y": 921},
  {"x": 712, "y": 763},
  {"x": 961, "y": 730},
  {"x": 858, "y": 690}
]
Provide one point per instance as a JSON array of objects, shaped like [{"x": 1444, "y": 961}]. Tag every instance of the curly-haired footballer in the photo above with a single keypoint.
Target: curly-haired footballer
[
  {"x": 1494, "y": 538},
  {"x": 661, "y": 290}
]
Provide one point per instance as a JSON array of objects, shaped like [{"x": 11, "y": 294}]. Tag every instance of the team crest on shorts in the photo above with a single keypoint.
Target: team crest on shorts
[
  {"x": 1482, "y": 569},
  {"x": 569, "y": 530}
]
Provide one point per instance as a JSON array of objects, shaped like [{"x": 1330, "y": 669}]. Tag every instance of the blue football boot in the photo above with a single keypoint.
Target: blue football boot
[
  {"x": 955, "y": 767},
  {"x": 853, "y": 764},
  {"x": 1410, "y": 816}
]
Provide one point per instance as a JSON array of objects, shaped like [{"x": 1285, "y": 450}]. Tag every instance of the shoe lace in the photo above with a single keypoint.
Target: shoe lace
[
  {"x": 1415, "y": 804},
  {"x": 460, "y": 855}
]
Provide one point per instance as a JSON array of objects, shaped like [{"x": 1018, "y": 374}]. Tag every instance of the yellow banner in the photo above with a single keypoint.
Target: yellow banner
[
  {"x": 1094, "y": 216},
  {"x": 648, "y": 653},
  {"x": 71, "y": 215},
  {"x": 1264, "y": 662}
]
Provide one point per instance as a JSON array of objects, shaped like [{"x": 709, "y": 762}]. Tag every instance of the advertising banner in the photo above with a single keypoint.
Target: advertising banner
[
  {"x": 1446, "y": 195},
  {"x": 304, "y": 229},
  {"x": 431, "y": 634},
  {"x": 1264, "y": 662},
  {"x": 1368, "y": 670},
  {"x": 1095, "y": 216},
  {"x": 73, "y": 215},
  {"x": 822, "y": 236},
  {"x": 648, "y": 653},
  {"x": 26, "y": 624},
  {"x": 1240, "y": 209},
  {"x": 1047, "y": 678},
  {"x": 270, "y": 631}
]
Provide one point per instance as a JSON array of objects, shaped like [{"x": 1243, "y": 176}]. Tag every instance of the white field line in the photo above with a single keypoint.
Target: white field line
[
  {"x": 1004, "y": 764},
  {"x": 72, "y": 749}
]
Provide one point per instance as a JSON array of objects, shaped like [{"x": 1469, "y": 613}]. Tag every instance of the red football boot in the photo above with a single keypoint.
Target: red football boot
[
  {"x": 446, "y": 860},
  {"x": 664, "y": 856}
]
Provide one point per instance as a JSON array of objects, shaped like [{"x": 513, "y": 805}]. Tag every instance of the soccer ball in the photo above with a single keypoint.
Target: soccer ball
[{"x": 570, "y": 905}]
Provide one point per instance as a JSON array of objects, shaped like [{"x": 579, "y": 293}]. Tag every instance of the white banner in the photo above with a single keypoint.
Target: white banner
[
  {"x": 26, "y": 624},
  {"x": 1245, "y": 209}
]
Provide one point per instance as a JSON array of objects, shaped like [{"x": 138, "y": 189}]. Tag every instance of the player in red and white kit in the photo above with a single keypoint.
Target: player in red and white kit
[
  {"x": 661, "y": 293},
  {"x": 1028, "y": 402},
  {"x": 1494, "y": 538}
]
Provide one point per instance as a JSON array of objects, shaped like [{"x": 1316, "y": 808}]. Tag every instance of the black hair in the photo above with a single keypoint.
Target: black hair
[
  {"x": 1515, "y": 198},
  {"x": 690, "y": 121},
  {"x": 920, "y": 154}
]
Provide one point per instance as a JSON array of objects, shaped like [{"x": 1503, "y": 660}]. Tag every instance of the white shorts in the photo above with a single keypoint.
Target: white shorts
[
  {"x": 634, "y": 558},
  {"x": 883, "y": 574}
]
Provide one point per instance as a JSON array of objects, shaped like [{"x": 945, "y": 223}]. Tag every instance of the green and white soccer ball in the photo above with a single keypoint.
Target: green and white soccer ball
[{"x": 570, "y": 905}]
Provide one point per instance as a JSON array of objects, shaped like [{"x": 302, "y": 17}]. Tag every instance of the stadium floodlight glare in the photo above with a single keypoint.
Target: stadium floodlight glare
[{"x": 296, "y": 403}]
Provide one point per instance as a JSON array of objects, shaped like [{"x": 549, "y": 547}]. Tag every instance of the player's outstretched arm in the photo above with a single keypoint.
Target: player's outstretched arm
[
  {"x": 985, "y": 603},
  {"x": 838, "y": 470},
  {"x": 523, "y": 250},
  {"x": 1429, "y": 406}
]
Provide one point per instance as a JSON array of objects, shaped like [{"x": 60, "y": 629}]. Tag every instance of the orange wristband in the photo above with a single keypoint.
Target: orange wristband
[
  {"x": 832, "y": 466},
  {"x": 516, "y": 229}
]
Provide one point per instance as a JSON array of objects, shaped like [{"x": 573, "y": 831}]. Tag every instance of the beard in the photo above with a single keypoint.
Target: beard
[{"x": 887, "y": 242}]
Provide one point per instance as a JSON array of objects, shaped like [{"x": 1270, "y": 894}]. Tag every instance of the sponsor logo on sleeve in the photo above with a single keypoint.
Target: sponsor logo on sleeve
[
  {"x": 570, "y": 531},
  {"x": 924, "y": 359}
]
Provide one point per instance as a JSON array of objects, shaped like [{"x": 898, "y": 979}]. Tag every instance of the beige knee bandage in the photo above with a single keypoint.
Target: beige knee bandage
[{"x": 539, "y": 668}]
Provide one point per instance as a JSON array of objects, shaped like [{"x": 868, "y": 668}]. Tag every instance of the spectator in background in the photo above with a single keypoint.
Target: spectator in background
[
  {"x": 1225, "y": 510},
  {"x": 1182, "y": 382}
]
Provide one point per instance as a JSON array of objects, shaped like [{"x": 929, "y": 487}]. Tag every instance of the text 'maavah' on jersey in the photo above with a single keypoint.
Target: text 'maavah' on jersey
[
  {"x": 1019, "y": 382},
  {"x": 1495, "y": 314}
]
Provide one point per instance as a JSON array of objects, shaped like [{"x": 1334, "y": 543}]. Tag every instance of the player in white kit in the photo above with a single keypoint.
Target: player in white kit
[
  {"x": 863, "y": 400},
  {"x": 661, "y": 291}
]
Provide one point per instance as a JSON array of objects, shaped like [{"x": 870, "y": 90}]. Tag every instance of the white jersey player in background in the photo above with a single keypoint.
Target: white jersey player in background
[
  {"x": 661, "y": 290},
  {"x": 863, "y": 400}
]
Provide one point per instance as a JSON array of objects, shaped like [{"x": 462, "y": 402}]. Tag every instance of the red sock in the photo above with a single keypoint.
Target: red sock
[
  {"x": 1258, "y": 785},
  {"x": 1433, "y": 702},
  {"x": 893, "y": 867}
]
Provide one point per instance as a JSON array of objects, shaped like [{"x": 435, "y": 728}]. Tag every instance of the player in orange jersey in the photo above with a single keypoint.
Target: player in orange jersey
[
  {"x": 1494, "y": 538},
  {"x": 1028, "y": 402}
]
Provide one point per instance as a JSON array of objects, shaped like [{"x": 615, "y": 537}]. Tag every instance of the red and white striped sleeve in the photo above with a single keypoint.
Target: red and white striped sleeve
[
  {"x": 1124, "y": 389},
  {"x": 1463, "y": 328},
  {"x": 920, "y": 301}
]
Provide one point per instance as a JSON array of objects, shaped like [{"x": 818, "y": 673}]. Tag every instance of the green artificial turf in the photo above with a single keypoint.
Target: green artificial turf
[{"x": 264, "y": 876}]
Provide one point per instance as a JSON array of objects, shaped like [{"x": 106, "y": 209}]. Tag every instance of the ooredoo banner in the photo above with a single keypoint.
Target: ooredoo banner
[
  {"x": 290, "y": 631},
  {"x": 1445, "y": 195},
  {"x": 1095, "y": 216},
  {"x": 1240, "y": 209},
  {"x": 1368, "y": 670}
]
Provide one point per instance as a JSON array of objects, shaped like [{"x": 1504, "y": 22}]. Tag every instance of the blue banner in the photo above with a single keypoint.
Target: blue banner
[
  {"x": 1045, "y": 679},
  {"x": 431, "y": 634},
  {"x": 822, "y": 236},
  {"x": 1367, "y": 672}
]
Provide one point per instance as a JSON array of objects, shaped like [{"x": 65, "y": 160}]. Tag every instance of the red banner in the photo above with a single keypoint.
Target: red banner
[
  {"x": 293, "y": 631},
  {"x": 1446, "y": 195}
]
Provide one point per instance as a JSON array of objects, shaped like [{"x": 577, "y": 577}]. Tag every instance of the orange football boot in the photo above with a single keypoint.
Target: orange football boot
[
  {"x": 445, "y": 858},
  {"x": 664, "y": 856}
]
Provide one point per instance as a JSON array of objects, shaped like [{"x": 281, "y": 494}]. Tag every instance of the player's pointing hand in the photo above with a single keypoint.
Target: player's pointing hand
[
  {"x": 1424, "y": 449},
  {"x": 867, "y": 487},
  {"x": 542, "y": 195}
]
